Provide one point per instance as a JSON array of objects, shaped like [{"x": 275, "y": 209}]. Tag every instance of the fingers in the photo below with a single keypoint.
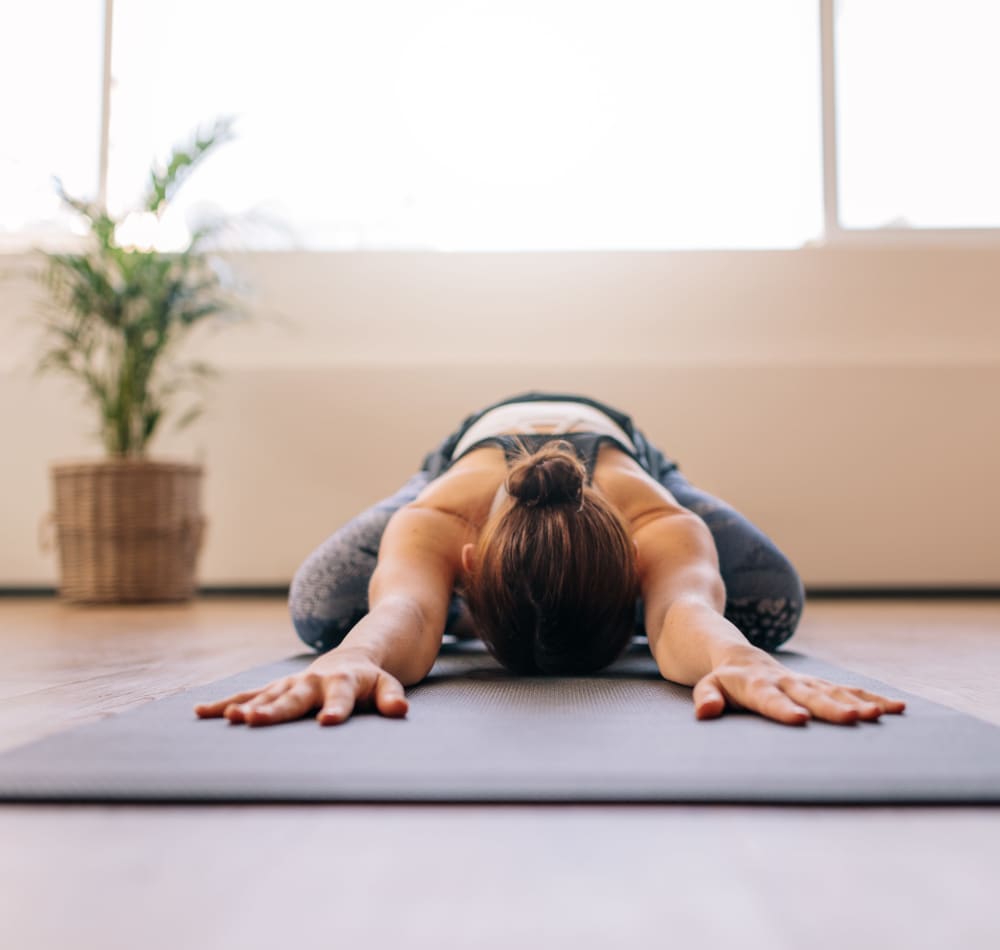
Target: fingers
[
  {"x": 867, "y": 710},
  {"x": 759, "y": 695},
  {"x": 293, "y": 696},
  {"x": 209, "y": 710},
  {"x": 293, "y": 702},
  {"x": 284, "y": 699},
  {"x": 342, "y": 694},
  {"x": 709, "y": 700},
  {"x": 836, "y": 703},
  {"x": 775, "y": 704},
  {"x": 338, "y": 704},
  {"x": 823, "y": 702},
  {"x": 390, "y": 697},
  {"x": 237, "y": 711},
  {"x": 265, "y": 697},
  {"x": 883, "y": 702}
]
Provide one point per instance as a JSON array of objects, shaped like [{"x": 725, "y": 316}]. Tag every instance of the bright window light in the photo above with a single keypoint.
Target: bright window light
[
  {"x": 51, "y": 53},
  {"x": 919, "y": 136},
  {"x": 505, "y": 125}
]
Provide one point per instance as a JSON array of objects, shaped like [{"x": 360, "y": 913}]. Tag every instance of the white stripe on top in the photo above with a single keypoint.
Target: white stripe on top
[{"x": 525, "y": 417}]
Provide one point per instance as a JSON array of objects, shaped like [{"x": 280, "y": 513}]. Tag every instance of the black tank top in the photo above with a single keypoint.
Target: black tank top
[{"x": 586, "y": 444}]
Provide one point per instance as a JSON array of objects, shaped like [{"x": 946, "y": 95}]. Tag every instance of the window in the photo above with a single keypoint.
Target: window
[
  {"x": 919, "y": 137},
  {"x": 513, "y": 124},
  {"x": 51, "y": 56}
]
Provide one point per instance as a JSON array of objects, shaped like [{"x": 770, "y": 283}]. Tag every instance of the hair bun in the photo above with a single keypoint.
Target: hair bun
[{"x": 552, "y": 475}]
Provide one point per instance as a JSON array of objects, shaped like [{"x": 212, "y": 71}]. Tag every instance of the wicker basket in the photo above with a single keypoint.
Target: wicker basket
[{"x": 128, "y": 529}]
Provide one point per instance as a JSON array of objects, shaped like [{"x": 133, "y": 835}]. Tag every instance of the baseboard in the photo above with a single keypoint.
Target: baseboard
[
  {"x": 812, "y": 593},
  {"x": 275, "y": 590},
  {"x": 906, "y": 593}
]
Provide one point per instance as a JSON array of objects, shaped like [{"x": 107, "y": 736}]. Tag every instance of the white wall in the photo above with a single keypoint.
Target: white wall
[{"x": 846, "y": 399}]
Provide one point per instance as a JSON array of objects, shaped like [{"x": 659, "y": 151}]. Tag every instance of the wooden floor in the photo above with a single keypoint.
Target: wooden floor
[{"x": 478, "y": 876}]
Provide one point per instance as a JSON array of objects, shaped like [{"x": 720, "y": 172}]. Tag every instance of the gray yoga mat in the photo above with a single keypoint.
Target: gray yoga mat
[{"x": 476, "y": 734}]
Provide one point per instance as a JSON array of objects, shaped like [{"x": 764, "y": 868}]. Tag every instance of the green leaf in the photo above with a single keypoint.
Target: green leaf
[
  {"x": 164, "y": 184},
  {"x": 149, "y": 420},
  {"x": 189, "y": 417}
]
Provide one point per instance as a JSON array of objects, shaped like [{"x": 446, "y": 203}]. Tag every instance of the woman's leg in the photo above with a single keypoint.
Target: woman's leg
[
  {"x": 329, "y": 592},
  {"x": 764, "y": 594}
]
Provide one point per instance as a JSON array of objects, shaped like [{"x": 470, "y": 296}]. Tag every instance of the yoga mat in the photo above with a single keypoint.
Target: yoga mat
[{"x": 474, "y": 733}]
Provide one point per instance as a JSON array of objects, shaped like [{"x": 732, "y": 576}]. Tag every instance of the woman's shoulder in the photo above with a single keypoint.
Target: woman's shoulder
[
  {"x": 468, "y": 487},
  {"x": 631, "y": 489}
]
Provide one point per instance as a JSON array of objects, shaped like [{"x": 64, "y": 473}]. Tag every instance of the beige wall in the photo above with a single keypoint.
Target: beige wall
[{"x": 846, "y": 399}]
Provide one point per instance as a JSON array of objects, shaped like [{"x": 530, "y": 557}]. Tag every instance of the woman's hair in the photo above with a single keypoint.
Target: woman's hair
[{"x": 554, "y": 583}]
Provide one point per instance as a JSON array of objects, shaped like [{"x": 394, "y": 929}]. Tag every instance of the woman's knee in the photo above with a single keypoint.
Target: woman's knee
[
  {"x": 329, "y": 592},
  {"x": 321, "y": 634},
  {"x": 325, "y": 603},
  {"x": 766, "y": 603},
  {"x": 765, "y": 595}
]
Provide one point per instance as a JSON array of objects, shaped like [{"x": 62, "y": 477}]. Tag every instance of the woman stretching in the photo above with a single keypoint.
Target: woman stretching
[{"x": 548, "y": 526}]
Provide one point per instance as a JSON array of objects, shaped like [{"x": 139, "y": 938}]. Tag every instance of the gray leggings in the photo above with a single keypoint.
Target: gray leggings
[{"x": 764, "y": 595}]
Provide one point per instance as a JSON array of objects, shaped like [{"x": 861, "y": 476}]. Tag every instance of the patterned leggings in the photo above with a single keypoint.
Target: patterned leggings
[{"x": 764, "y": 595}]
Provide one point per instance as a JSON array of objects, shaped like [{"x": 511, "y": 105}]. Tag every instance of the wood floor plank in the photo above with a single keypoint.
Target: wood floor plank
[{"x": 947, "y": 651}]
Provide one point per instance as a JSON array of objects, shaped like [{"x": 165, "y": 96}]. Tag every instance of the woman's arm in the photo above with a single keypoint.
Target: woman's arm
[
  {"x": 392, "y": 646},
  {"x": 409, "y": 593},
  {"x": 683, "y": 597},
  {"x": 693, "y": 644}
]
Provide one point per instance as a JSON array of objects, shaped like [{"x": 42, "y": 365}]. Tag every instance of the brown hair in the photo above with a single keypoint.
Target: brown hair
[{"x": 554, "y": 583}]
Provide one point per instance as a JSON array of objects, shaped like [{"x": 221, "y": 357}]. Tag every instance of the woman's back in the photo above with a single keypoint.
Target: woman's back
[{"x": 473, "y": 484}]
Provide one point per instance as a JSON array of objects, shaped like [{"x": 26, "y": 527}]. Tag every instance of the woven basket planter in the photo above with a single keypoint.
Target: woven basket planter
[{"x": 128, "y": 530}]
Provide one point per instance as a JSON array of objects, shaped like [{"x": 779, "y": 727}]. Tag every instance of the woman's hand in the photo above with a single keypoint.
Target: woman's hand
[
  {"x": 337, "y": 683},
  {"x": 755, "y": 681}
]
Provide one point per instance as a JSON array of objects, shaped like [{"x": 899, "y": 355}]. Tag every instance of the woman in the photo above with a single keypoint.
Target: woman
[{"x": 549, "y": 526}]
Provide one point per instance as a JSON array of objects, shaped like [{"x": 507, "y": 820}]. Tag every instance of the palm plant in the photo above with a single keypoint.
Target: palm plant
[{"x": 120, "y": 311}]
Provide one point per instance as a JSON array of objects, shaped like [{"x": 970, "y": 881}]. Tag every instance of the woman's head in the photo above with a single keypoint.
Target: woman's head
[{"x": 552, "y": 582}]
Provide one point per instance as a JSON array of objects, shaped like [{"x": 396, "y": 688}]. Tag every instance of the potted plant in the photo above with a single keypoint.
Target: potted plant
[{"x": 129, "y": 527}]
